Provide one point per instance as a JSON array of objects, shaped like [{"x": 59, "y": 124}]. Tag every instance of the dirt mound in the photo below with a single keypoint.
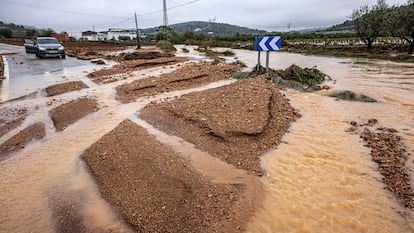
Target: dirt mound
[
  {"x": 112, "y": 74},
  {"x": 389, "y": 152},
  {"x": 65, "y": 87},
  {"x": 189, "y": 76},
  {"x": 88, "y": 50},
  {"x": 11, "y": 118},
  {"x": 236, "y": 123},
  {"x": 67, "y": 114},
  {"x": 154, "y": 189},
  {"x": 352, "y": 96},
  {"x": 146, "y": 55},
  {"x": 18, "y": 142}
]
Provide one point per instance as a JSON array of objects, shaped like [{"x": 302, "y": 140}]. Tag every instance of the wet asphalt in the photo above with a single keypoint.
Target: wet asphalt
[{"x": 28, "y": 74}]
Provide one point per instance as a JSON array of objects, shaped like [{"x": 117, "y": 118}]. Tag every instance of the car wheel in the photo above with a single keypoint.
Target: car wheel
[{"x": 63, "y": 56}]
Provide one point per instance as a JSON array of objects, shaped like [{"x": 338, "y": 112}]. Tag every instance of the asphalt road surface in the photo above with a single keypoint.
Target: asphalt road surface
[{"x": 28, "y": 74}]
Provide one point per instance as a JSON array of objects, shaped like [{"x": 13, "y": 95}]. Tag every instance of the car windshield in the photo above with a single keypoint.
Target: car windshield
[{"x": 47, "y": 41}]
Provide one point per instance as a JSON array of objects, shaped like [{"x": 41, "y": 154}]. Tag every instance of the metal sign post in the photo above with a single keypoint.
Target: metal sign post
[{"x": 267, "y": 43}]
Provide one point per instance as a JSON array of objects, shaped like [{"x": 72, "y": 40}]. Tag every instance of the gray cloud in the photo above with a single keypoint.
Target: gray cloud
[{"x": 79, "y": 15}]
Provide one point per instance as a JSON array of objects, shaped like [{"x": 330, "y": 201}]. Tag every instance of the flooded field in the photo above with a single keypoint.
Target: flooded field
[{"x": 319, "y": 179}]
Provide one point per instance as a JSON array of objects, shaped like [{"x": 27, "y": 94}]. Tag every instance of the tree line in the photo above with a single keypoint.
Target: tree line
[{"x": 382, "y": 20}]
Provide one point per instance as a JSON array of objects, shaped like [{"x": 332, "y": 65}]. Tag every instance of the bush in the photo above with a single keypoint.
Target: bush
[{"x": 166, "y": 46}]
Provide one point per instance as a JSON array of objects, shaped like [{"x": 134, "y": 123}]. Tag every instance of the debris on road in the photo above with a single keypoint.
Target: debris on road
[
  {"x": 236, "y": 123},
  {"x": 69, "y": 113},
  {"x": 18, "y": 141},
  {"x": 156, "y": 190},
  {"x": 11, "y": 118},
  {"x": 189, "y": 76},
  {"x": 61, "y": 88},
  {"x": 391, "y": 155},
  {"x": 352, "y": 96},
  {"x": 114, "y": 73}
]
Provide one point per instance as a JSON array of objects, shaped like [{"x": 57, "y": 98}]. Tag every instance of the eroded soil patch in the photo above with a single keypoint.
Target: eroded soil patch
[
  {"x": 61, "y": 88},
  {"x": 11, "y": 118},
  {"x": 18, "y": 142},
  {"x": 189, "y": 76},
  {"x": 389, "y": 152},
  {"x": 236, "y": 123},
  {"x": 113, "y": 74},
  {"x": 69, "y": 113},
  {"x": 156, "y": 190}
]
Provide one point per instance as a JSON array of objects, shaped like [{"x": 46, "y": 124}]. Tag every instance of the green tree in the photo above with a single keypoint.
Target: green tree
[
  {"x": 5, "y": 32},
  {"x": 402, "y": 24},
  {"x": 30, "y": 32},
  {"x": 168, "y": 34},
  {"x": 370, "y": 22},
  {"x": 47, "y": 32}
]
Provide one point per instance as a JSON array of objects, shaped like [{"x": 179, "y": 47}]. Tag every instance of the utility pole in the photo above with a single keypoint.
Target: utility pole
[
  {"x": 136, "y": 26},
  {"x": 165, "y": 13},
  {"x": 289, "y": 26}
]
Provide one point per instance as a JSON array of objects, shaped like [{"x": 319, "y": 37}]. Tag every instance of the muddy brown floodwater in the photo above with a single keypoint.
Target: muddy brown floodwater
[{"x": 319, "y": 179}]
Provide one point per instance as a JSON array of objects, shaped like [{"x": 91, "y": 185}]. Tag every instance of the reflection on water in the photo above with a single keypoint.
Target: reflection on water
[{"x": 321, "y": 179}]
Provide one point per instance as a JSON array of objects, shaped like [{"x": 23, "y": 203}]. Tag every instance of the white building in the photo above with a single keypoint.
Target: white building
[{"x": 116, "y": 33}]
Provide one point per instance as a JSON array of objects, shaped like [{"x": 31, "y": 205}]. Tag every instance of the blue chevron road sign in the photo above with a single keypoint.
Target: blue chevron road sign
[{"x": 268, "y": 43}]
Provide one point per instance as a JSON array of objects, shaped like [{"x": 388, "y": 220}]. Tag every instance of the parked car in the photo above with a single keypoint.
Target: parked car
[{"x": 45, "y": 47}]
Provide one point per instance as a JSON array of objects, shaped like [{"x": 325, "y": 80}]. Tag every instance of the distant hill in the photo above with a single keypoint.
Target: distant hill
[
  {"x": 17, "y": 31},
  {"x": 348, "y": 25},
  {"x": 217, "y": 29}
]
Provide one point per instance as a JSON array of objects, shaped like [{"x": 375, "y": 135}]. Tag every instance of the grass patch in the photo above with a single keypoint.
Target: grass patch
[{"x": 240, "y": 75}]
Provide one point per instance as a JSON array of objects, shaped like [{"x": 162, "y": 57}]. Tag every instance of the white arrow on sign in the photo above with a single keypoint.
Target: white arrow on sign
[
  {"x": 268, "y": 43},
  {"x": 273, "y": 43},
  {"x": 262, "y": 44}
]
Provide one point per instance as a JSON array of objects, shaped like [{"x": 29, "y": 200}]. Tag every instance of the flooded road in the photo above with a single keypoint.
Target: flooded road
[
  {"x": 30, "y": 74},
  {"x": 320, "y": 179}
]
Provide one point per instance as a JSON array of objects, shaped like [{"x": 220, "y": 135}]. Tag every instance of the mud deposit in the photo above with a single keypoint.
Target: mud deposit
[
  {"x": 65, "y": 87},
  {"x": 155, "y": 190},
  {"x": 389, "y": 152},
  {"x": 236, "y": 123},
  {"x": 18, "y": 142},
  {"x": 11, "y": 118},
  {"x": 189, "y": 76},
  {"x": 71, "y": 112},
  {"x": 112, "y": 74}
]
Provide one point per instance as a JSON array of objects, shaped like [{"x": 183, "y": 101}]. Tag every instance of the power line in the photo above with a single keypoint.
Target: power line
[
  {"x": 25, "y": 4},
  {"x": 124, "y": 20}
]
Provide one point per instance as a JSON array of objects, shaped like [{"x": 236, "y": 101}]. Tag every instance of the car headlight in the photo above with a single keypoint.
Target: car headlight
[
  {"x": 61, "y": 48},
  {"x": 41, "y": 48}
]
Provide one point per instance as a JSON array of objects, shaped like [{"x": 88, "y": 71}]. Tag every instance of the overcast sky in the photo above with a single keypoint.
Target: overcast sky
[{"x": 272, "y": 15}]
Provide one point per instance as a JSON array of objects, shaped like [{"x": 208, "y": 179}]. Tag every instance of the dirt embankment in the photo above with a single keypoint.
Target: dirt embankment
[
  {"x": 18, "y": 141},
  {"x": 61, "y": 88},
  {"x": 156, "y": 190},
  {"x": 113, "y": 74},
  {"x": 69, "y": 113},
  {"x": 391, "y": 52},
  {"x": 11, "y": 118},
  {"x": 236, "y": 123},
  {"x": 389, "y": 152},
  {"x": 89, "y": 50},
  {"x": 189, "y": 76}
]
